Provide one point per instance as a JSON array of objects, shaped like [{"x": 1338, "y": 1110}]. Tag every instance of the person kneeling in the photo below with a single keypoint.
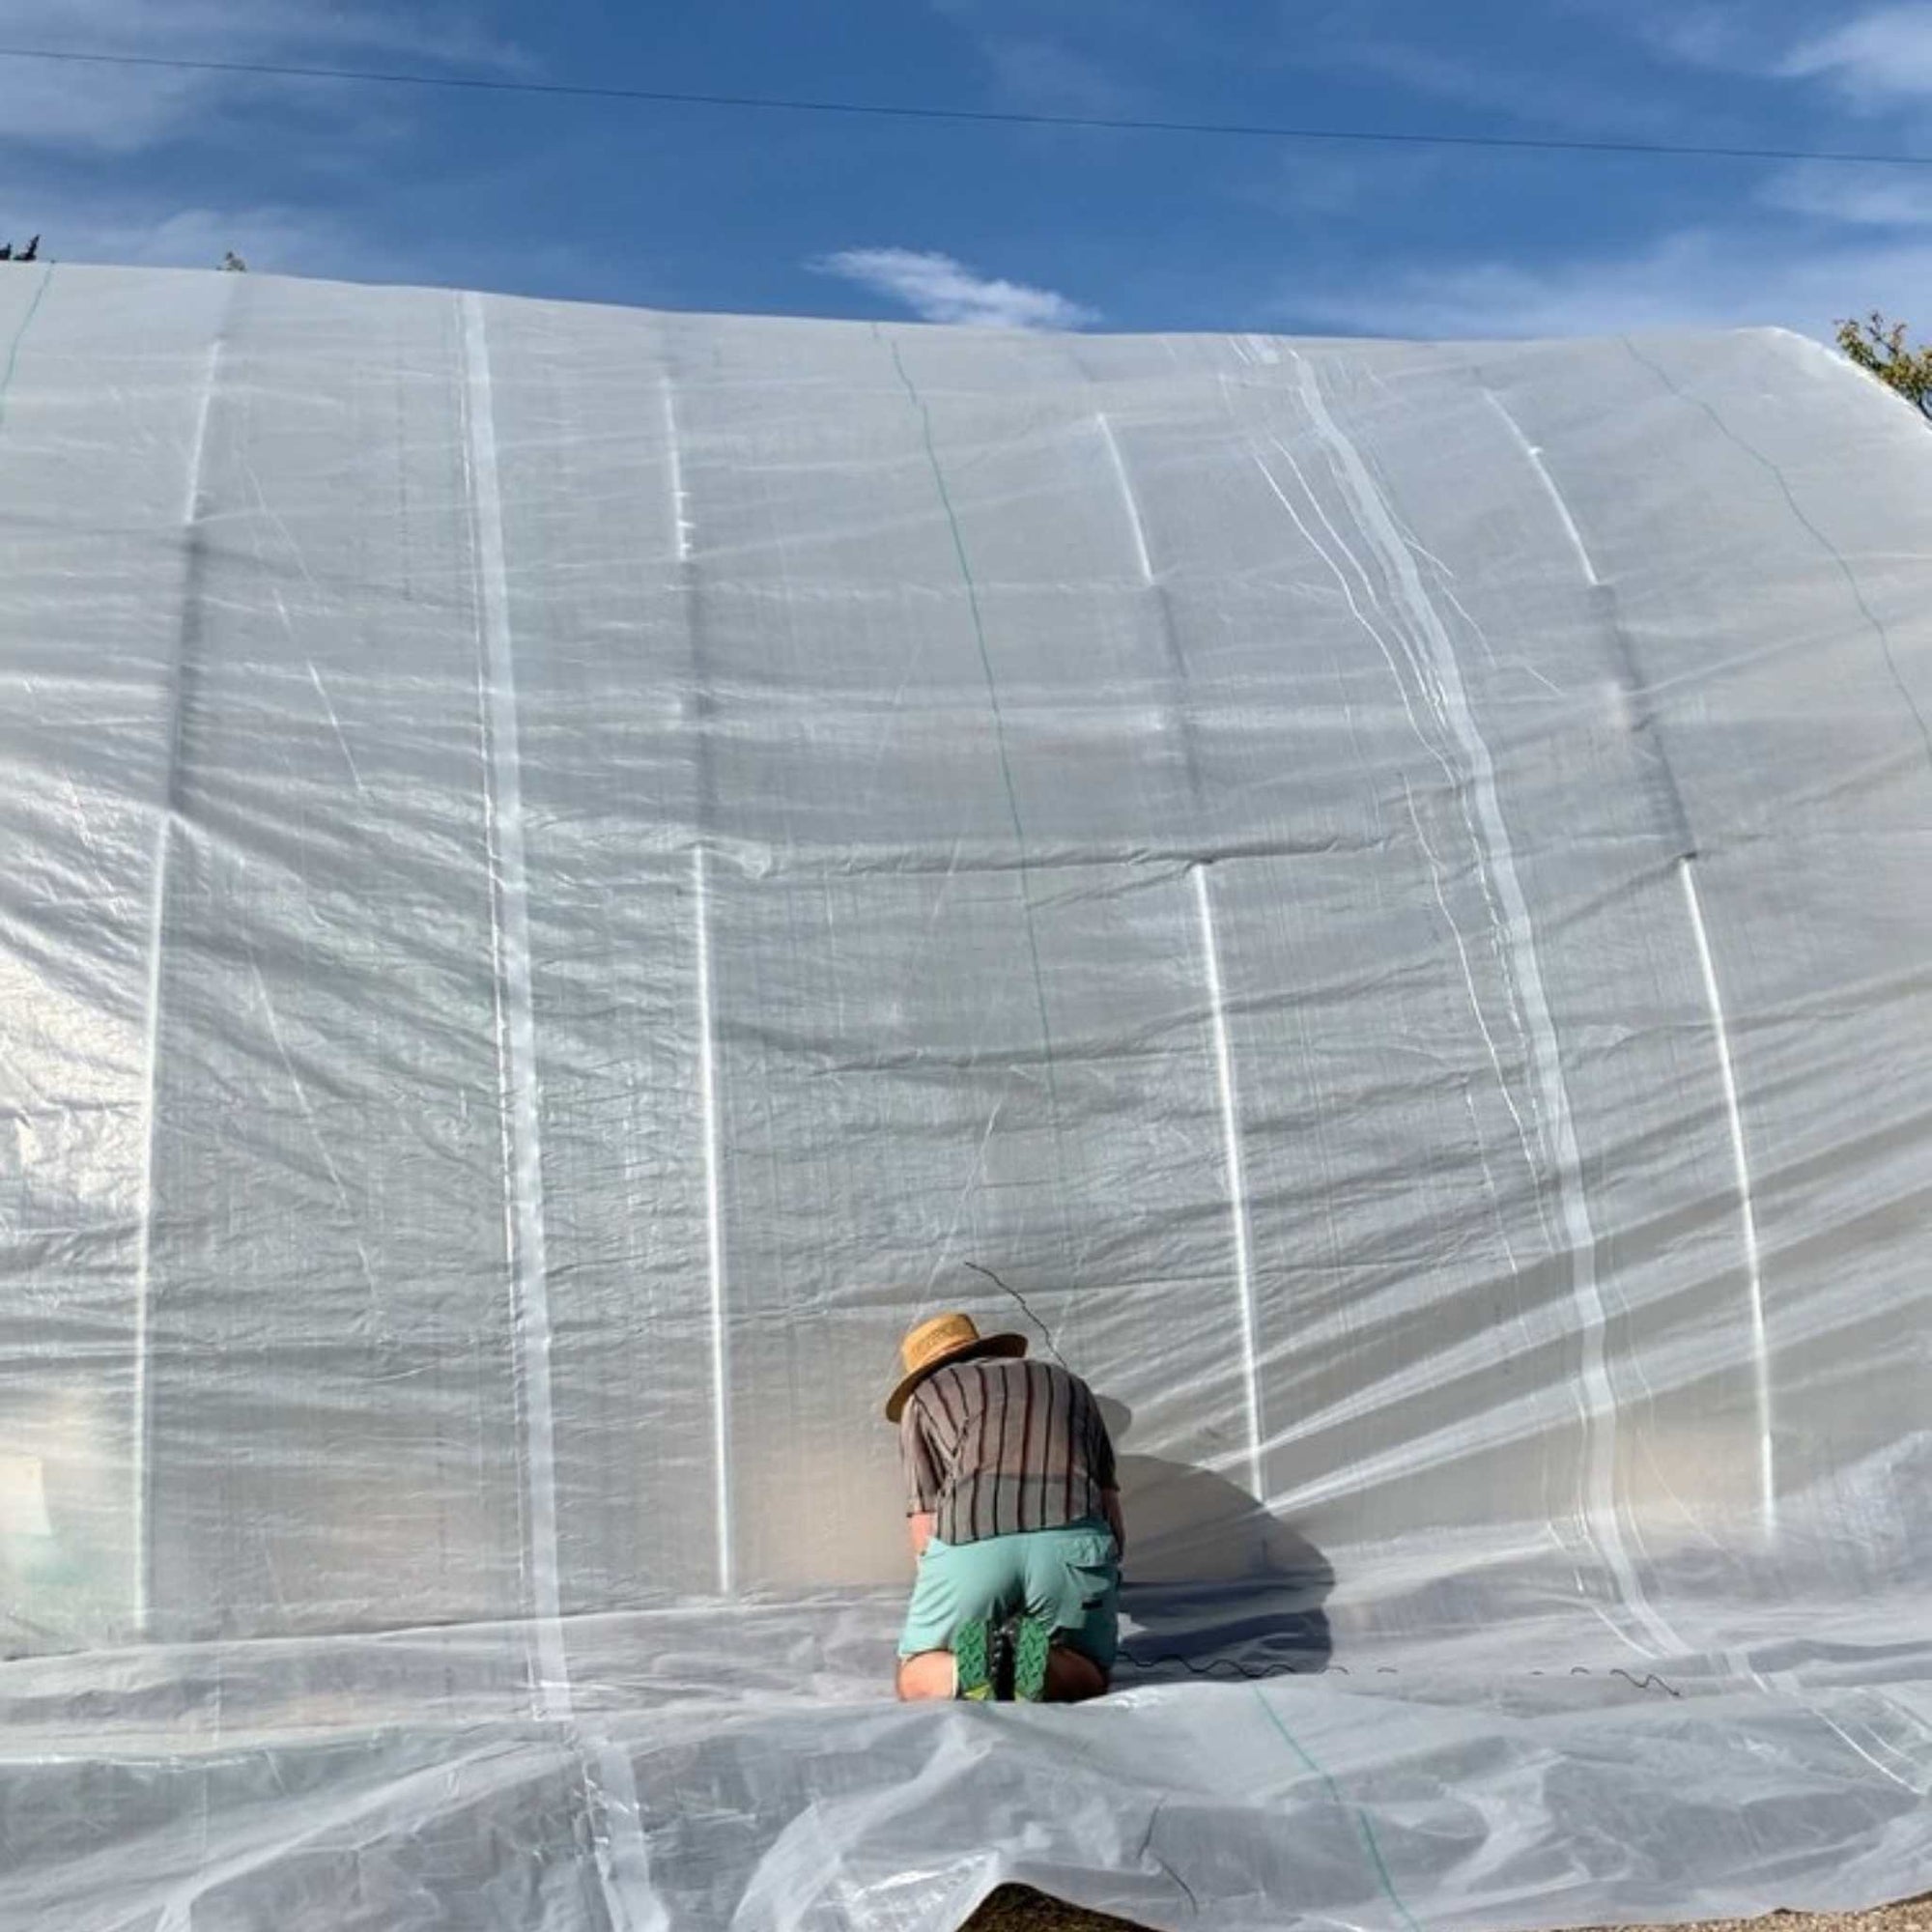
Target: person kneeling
[{"x": 1014, "y": 1512}]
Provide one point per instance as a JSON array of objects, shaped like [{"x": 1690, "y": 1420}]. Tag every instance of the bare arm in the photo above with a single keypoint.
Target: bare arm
[
  {"x": 1110, "y": 1502},
  {"x": 922, "y": 1477}
]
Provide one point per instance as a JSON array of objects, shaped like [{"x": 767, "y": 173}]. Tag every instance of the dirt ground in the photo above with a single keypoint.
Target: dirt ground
[
  {"x": 1016, "y": 1908},
  {"x": 1013, "y": 1908}
]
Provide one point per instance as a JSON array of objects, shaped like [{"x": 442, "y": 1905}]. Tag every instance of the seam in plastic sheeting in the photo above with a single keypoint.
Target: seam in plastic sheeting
[
  {"x": 1535, "y": 457},
  {"x": 678, "y": 507},
  {"x": 1767, "y": 1473},
  {"x": 1600, "y": 1515},
  {"x": 1363, "y": 1822},
  {"x": 167, "y": 821},
  {"x": 1812, "y": 530},
  {"x": 1641, "y": 721},
  {"x": 1451, "y": 779},
  {"x": 1133, "y": 509},
  {"x": 972, "y": 590},
  {"x": 623, "y": 1854},
  {"x": 1787, "y": 1684},
  {"x": 680, "y": 522},
  {"x": 1237, "y": 1186},
  {"x": 1852, "y": 1745},
  {"x": 622, "y": 1857},
  {"x": 39, "y": 296},
  {"x": 1183, "y": 724},
  {"x": 714, "y": 1221},
  {"x": 1681, "y": 833},
  {"x": 516, "y": 1024}
]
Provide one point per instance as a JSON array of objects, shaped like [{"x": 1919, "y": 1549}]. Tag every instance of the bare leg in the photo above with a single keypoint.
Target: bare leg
[
  {"x": 928, "y": 1674},
  {"x": 1072, "y": 1678}
]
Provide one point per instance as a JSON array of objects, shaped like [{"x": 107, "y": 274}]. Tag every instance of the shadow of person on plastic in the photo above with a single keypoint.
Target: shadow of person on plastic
[{"x": 1212, "y": 1586}]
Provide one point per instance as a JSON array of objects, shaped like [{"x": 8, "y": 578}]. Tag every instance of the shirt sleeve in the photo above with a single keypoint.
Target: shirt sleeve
[{"x": 922, "y": 1467}]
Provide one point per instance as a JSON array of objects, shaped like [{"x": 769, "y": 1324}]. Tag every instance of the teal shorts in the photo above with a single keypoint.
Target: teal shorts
[{"x": 1069, "y": 1579}]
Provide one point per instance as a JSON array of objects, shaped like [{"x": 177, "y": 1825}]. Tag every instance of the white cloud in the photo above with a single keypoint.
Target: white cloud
[
  {"x": 1088, "y": 57},
  {"x": 1041, "y": 76},
  {"x": 1542, "y": 95},
  {"x": 1858, "y": 197},
  {"x": 87, "y": 107},
  {"x": 1720, "y": 36},
  {"x": 1883, "y": 58},
  {"x": 1714, "y": 37},
  {"x": 1693, "y": 279},
  {"x": 936, "y": 287}
]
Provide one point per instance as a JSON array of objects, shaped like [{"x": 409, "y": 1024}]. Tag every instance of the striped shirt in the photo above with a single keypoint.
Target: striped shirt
[{"x": 994, "y": 1447}]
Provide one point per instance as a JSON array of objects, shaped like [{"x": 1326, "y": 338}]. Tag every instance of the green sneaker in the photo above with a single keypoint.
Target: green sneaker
[
  {"x": 974, "y": 1662},
  {"x": 1032, "y": 1644}
]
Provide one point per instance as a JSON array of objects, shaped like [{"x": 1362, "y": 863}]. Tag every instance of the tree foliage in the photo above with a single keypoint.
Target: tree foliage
[{"x": 1880, "y": 346}]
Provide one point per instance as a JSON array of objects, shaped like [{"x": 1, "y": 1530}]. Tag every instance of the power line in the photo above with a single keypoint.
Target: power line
[{"x": 983, "y": 116}]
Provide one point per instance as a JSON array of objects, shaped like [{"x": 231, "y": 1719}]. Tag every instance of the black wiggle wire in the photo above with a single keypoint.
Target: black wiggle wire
[
  {"x": 1650, "y": 1681},
  {"x": 1227, "y": 1663},
  {"x": 1046, "y": 1333}
]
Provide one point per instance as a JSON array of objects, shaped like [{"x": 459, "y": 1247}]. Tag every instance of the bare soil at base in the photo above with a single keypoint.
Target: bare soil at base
[{"x": 1016, "y": 1908}]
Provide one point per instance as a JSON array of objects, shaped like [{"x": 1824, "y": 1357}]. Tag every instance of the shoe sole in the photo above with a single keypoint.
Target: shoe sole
[
  {"x": 973, "y": 1662},
  {"x": 1032, "y": 1645}
]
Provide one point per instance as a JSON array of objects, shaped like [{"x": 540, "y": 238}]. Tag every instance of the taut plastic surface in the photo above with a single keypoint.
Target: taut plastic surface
[{"x": 567, "y": 872}]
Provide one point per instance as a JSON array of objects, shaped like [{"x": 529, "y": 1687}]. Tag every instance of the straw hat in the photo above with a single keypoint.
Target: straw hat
[{"x": 932, "y": 1344}]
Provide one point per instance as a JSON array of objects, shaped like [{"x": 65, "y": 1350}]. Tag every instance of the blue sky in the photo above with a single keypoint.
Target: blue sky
[{"x": 694, "y": 208}]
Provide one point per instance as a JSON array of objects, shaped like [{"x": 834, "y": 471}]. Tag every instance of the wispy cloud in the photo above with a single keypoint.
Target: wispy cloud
[
  {"x": 1879, "y": 59},
  {"x": 1718, "y": 36},
  {"x": 1873, "y": 59},
  {"x": 1105, "y": 58},
  {"x": 1124, "y": 33},
  {"x": 68, "y": 131},
  {"x": 1690, "y": 279},
  {"x": 1858, "y": 198},
  {"x": 937, "y": 288},
  {"x": 1540, "y": 94},
  {"x": 85, "y": 108},
  {"x": 134, "y": 228},
  {"x": 1042, "y": 76}
]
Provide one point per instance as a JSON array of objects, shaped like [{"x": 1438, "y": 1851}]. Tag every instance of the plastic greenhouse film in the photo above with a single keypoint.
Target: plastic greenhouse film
[{"x": 570, "y": 872}]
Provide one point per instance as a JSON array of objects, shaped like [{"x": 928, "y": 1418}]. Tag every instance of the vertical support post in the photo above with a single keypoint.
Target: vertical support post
[
  {"x": 1237, "y": 1187},
  {"x": 167, "y": 816},
  {"x": 714, "y": 1222},
  {"x": 1721, "y": 1032},
  {"x": 516, "y": 1022}
]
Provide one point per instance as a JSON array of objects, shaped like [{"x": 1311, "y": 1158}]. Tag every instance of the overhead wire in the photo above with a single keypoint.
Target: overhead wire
[{"x": 971, "y": 116}]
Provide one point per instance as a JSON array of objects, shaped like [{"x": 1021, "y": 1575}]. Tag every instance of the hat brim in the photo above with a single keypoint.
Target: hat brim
[{"x": 987, "y": 1344}]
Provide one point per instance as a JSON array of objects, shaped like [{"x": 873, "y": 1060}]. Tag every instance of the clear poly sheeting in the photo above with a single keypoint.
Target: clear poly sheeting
[{"x": 569, "y": 872}]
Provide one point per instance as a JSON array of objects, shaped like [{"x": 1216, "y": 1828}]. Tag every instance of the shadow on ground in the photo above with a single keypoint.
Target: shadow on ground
[{"x": 1214, "y": 1586}]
